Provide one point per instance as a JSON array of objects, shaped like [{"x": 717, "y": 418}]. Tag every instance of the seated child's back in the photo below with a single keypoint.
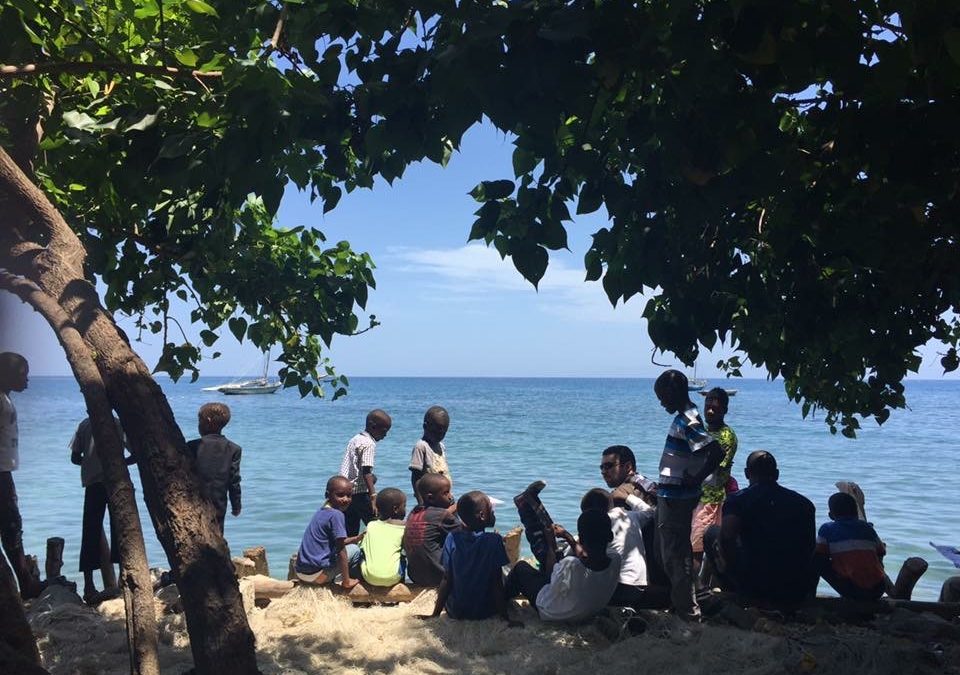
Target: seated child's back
[
  {"x": 473, "y": 561},
  {"x": 852, "y": 546},
  {"x": 382, "y": 544},
  {"x": 426, "y": 530}
]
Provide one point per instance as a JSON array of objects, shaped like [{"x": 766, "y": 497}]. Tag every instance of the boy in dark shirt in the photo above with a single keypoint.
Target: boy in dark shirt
[
  {"x": 473, "y": 560},
  {"x": 427, "y": 528},
  {"x": 217, "y": 460}
]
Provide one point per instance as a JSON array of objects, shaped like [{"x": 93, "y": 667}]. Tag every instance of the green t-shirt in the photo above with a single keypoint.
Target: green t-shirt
[
  {"x": 715, "y": 486},
  {"x": 382, "y": 548}
]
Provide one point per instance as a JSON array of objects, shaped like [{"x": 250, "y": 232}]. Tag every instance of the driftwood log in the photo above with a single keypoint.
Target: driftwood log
[{"x": 258, "y": 554}]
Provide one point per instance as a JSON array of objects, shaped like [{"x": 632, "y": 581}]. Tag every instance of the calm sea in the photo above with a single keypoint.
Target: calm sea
[{"x": 505, "y": 433}]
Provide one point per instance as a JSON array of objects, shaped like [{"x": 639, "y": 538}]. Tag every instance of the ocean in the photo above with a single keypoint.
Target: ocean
[{"x": 505, "y": 433}]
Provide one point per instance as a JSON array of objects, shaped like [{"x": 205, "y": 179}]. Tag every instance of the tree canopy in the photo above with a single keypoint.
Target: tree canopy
[{"x": 782, "y": 177}]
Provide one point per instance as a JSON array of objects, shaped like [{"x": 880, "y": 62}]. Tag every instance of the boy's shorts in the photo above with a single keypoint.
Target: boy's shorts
[
  {"x": 329, "y": 574},
  {"x": 704, "y": 515}
]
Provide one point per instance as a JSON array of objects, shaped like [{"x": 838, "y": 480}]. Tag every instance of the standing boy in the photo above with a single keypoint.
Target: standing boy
[
  {"x": 689, "y": 456},
  {"x": 95, "y": 551},
  {"x": 708, "y": 511},
  {"x": 427, "y": 528},
  {"x": 430, "y": 454},
  {"x": 217, "y": 460},
  {"x": 323, "y": 556},
  {"x": 357, "y": 467},
  {"x": 473, "y": 560},
  {"x": 13, "y": 377}
]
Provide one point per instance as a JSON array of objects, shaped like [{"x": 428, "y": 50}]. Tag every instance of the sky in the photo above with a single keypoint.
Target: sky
[{"x": 447, "y": 307}]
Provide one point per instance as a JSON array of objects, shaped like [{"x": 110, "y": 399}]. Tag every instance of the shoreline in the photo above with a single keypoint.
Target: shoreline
[{"x": 314, "y": 631}]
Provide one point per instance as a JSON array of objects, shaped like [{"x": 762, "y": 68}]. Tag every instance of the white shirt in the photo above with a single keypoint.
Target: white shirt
[
  {"x": 9, "y": 436},
  {"x": 423, "y": 458},
  {"x": 360, "y": 452},
  {"x": 577, "y": 592},
  {"x": 628, "y": 543}
]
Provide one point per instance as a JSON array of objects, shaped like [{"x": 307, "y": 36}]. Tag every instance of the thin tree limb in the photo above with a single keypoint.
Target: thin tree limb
[{"x": 28, "y": 70}]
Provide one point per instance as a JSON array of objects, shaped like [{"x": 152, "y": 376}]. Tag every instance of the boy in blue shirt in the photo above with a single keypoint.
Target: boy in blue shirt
[
  {"x": 472, "y": 586},
  {"x": 690, "y": 454},
  {"x": 323, "y": 556}
]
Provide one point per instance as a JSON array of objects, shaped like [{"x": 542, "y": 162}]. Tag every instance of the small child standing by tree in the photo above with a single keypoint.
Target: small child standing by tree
[
  {"x": 429, "y": 453},
  {"x": 217, "y": 460}
]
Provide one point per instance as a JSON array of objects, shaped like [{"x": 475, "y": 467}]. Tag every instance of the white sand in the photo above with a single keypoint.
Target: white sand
[{"x": 312, "y": 631}]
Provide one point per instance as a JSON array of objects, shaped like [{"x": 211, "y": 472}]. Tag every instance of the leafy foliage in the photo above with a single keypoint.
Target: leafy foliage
[{"x": 783, "y": 176}]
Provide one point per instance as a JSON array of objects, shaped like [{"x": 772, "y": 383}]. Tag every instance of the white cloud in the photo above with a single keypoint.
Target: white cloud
[{"x": 476, "y": 271}]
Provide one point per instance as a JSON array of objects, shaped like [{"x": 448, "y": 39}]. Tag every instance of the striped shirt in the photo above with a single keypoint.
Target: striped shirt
[
  {"x": 681, "y": 454},
  {"x": 854, "y": 549},
  {"x": 361, "y": 451}
]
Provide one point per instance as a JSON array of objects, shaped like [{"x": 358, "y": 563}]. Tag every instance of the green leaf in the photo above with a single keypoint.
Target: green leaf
[
  {"x": 208, "y": 337},
  {"x": 238, "y": 326},
  {"x": 187, "y": 57},
  {"x": 145, "y": 123},
  {"x": 524, "y": 161},
  {"x": 492, "y": 189},
  {"x": 201, "y": 7}
]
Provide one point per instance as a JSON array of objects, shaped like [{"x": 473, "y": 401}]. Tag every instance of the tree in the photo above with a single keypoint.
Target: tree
[{"x": 782, "y": 177}]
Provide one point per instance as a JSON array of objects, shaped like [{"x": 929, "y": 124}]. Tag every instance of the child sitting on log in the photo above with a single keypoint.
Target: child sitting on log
[
  {"x": 473, "y": 561},
  {"x": 427, "y": 528},
  {"x": 381, "y": 561},
  {"x": 324, "y": 556},
  {"x": 849, "y": 556}
]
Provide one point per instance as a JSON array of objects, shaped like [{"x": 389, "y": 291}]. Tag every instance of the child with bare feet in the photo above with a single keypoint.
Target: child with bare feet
[
  {"x": 472, "y": 586},
  {"x": 382, "y": 562},
  {"x": 849, "y": 556},
  {"x": 324, "y": 556},
  {"x": 429, "y": 455},
  {"x": 576, "y": 586},
  {"x": 427, "y": 528}
]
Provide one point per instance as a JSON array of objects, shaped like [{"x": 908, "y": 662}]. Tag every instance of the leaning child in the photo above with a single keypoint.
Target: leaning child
[{"x": 324, "y": 556}]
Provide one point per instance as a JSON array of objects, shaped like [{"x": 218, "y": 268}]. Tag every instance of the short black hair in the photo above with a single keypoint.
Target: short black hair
[
  {"x": 842, "y": 504},
  {"x": 469, "y": 507},
  {"x": 597, "y": 499},
  {"x": 761, "y": 464},
  {"x": 672, "y": 380},
  {"x": 623, "y": 453},
  {"x": 436, "y": 413},
  {"x": 594, "y": 529},
  {"x": 721, "y": 395},
  {"x": 333, "y": 481},
  {"x": 390, "y": 498},
  {"x": 430, "y": 483}
]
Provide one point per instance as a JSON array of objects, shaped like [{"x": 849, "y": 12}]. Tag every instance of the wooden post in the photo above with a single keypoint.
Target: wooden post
[
  {"x": 54, "y": 562},
  {"x": 258, "y": 554},
  {"x": 292, "y": 569}
]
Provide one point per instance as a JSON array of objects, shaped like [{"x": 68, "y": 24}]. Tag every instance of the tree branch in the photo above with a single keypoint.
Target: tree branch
[{"x": 36, "y": 69}]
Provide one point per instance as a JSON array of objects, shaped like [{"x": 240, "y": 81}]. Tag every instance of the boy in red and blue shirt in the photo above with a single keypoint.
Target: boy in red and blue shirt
[{"x": 849, "y": 554}]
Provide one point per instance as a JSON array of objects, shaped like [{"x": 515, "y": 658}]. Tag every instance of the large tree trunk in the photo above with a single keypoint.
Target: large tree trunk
[
  {"x": 135, "y": 571},
  {"x": 18, "y": 648},
  {"x": 220, "y": 637}
]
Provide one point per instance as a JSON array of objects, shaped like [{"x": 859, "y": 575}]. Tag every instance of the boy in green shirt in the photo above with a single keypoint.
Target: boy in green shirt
[{"x": 382, "y": 562}]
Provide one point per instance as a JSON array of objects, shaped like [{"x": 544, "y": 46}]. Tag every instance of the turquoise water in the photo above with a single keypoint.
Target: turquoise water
[{"x": 503, "y": 434}]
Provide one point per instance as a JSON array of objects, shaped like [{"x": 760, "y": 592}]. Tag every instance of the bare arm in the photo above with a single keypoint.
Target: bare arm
[
  {"x": 500, "y": 601},
  {"x": 415, "y": 475},
  {"x": 344, "y": 566},
  {"x": 715, "y": 455},
  {"x": 443, "y": 592}
]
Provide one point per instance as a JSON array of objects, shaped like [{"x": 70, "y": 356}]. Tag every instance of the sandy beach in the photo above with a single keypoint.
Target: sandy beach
[{"x": 313, "y": 631}]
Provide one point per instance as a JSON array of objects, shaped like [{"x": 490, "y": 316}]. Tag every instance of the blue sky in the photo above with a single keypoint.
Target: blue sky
[{"x": 447, "y": 307}]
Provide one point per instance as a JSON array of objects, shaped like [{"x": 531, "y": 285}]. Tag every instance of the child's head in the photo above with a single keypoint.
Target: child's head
[
  {"x": 391, "y": 504},
  {"x": 339, "y": 492},
  {"x": 13, "y": 372},
  {"x": 597, "y": 499},
  {"x": 715, "y": 406},
  {"x": 436, "y": 421},
  {"x": 671, "y": 390},
  {"x": 212, "y": 418},
  {"x": 434, "y": 490},
  {"x": 594, "y": 531},
  {"x": 842, "y": 505},
  {"x": 617, "y": 464},
  {"x": 476, "y": 511},
  {"x": 378, "y": 424}
]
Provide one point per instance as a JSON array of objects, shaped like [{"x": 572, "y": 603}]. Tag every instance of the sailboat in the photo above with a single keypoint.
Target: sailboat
[
  {"x": 695, "y": 383},
  {"x": 259, "y": 385}
]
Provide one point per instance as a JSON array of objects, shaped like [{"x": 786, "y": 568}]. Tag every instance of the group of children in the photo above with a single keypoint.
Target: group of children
[{"x": 445, "y": 544}]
